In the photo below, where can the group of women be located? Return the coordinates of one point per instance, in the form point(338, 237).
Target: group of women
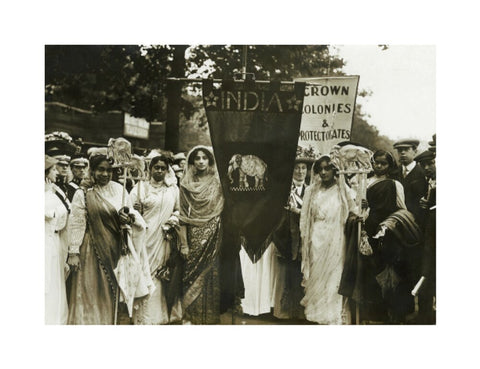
point(122, 247)
point(154, 252)
point(357, 251)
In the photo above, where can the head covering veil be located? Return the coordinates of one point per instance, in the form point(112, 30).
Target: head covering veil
point(307, 217)
point(201, 199)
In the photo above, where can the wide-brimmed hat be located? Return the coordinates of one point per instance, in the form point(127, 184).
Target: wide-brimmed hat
point(304, 159)
point(49, 162)
point(406, 143)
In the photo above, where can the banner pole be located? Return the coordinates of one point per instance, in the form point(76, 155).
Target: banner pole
point(244, 63)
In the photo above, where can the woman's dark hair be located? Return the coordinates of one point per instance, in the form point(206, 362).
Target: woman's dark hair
point(324, 159)
point(97, 159)
point(392, 164)
point(158, 158)
point(211, 159)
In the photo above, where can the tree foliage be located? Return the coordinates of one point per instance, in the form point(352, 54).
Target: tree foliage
point(133, 78)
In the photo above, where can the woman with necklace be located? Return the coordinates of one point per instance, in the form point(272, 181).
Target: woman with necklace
point(201, 205)
point(158, 202)
point(326, 206)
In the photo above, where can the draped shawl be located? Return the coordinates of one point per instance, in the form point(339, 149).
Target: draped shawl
point(200, 200)
point(104, 223)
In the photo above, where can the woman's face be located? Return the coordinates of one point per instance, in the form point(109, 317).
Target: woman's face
point(52, 174)
point(380, 165)
point(103, 173)
point(300, 172)
point(200, 161)
point(158, 171)
point(326, 172)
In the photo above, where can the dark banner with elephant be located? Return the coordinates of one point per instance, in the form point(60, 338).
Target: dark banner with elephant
point(254, 128)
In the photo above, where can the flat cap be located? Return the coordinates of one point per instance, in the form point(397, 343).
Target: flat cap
point(424, 156)
point(62, 159)
point(406, 143)
point(79, 162)
point(180, 156)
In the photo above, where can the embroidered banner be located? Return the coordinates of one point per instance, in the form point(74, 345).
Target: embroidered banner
point(254, 130)
point(328, 110)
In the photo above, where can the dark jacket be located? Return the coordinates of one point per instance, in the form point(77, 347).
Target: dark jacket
point(415, 187)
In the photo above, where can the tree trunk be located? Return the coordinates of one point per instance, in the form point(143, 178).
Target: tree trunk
point(174, 91)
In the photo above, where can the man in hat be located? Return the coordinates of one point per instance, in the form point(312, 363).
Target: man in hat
point(178, 173)
point(427, 292)
point(412, 176)
point(180, 159)
point(79, 167)
point(288, 290)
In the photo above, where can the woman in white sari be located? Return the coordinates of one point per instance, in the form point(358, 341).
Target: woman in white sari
point(327, 203)
point(158, 201)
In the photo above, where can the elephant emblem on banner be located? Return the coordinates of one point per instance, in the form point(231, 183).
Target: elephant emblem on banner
point(247, 173)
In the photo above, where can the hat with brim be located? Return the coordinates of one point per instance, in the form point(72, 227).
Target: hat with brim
point(62, 159)
point(406, 143)
point(49, 162)
point(180, 156)
point(79, 161)
point(425, 156)
point(59, 147)
point(304, 159)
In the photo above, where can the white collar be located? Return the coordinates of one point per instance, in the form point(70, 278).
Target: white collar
point(410, 166)
point(298, 183)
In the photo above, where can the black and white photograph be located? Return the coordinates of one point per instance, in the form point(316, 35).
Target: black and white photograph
point(240, 184)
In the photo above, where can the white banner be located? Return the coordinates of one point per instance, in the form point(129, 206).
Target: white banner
point(327, 116)
point(135, 127)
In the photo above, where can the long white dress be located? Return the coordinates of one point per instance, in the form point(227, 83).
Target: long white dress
point(258, 280)
point(323, 255)
point(160, 203)
point(56, 308)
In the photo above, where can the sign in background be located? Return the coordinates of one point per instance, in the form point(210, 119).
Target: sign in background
point(135, 127)
point(327, 115)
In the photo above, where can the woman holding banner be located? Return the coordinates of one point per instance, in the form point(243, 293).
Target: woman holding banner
point(95, 245)
point(158, 201)
point(326, 206)
point(201, 204)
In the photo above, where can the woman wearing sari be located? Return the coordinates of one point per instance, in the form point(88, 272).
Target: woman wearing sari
point(385, 288)
point(201, 205)
point(56, 310)
point(326, 206)
point(158, 201)
point(97, 242)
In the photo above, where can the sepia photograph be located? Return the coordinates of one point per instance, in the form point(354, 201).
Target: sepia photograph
point(234, 185)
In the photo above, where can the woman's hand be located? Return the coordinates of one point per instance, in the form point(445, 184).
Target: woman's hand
point(138, 206)
point(74, 262)
point(364, 204)
point(124, 215)
point(184, 250)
